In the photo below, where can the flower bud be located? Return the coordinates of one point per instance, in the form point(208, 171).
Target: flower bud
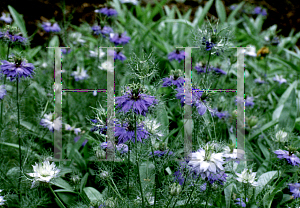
point(175, 189)
point(252, 121)
point(234, 113)
point(110, 202)
point(104, 174)
point(281, 136)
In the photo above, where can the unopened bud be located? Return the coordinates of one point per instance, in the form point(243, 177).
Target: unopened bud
point(252, 121)
point(175, 189)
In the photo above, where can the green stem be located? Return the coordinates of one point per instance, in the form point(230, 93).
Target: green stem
point(245, 190)
point(117, 192)
point(154, 175)
point(137, 163)
point(207, 65)
point(56, 196)
point(192, 191)
point(169, 201)
point(128, 170)
point(20, 153)
point(207, 194)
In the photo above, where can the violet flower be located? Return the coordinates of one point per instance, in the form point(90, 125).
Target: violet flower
point(2, 91)
point(241, 202)
point(107, 11)
point(122, 148)
point(169, 81)
point(177, 55)
point(117, 55)
point(51, 27)
point(295, 189)
point(126, 133)
point(136, 101)
point(118, 38)
point(291, 158)
point(6, 18)
point(19, 68)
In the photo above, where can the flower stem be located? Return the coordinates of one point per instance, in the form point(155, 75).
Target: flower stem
point(154, 175)
point(20, 153)
point(245, 190)
point(128, 170)
point(207, 65)
point(192, 191)
point(137, 163)
point(56, 196)
point(207, 194)
point(169, 201)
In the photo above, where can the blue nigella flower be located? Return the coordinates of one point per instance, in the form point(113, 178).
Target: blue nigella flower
point(291, 158)
point(6, 18)
point(107, 11)
point(241, 202)
point(117, 55)
point(18, 68)
point(122, 148)
point(176, 55)
point(51, 27)
point(106, 30)
point(136, 101)
point(169, 81)
point(295, 189)
point(118, 39)
point(261, 11)
point(220, 114)
point(126, 132)
point(161, 153)
point(15, 38)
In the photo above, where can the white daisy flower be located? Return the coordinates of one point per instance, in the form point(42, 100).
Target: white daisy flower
point(247, 176)
point(44, 172)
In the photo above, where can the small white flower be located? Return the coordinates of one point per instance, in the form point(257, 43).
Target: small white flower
point(44, 65)
point(2, 199)
point(247, 176)
point(68, 127)
point(80, 74)
point(205, 161)
point(106, 66)
point(76, 36)
point(44, 172)
point(250, 51)
point(151, 125)
point(95, 93)
point(104, 174)
point(77, 130)
point(279, 79)
point(281, 136)
point(94, 53)
point(228, 154)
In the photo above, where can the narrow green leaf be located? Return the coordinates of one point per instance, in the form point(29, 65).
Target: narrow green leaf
point(18, 20)
point(228, 193)
point(289, 113)
point(263, 148)
point(204, 12)
point(62, 184)
point(286, 63)
point(17, 147)
point(221, 10)
point(263, 128)
point(83, 181)
point(233, 13)
point(157, 8)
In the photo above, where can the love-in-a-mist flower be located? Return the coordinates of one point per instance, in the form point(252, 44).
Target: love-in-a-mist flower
point(77, 130)
point(219, 71)
point(176, 55)
point(159, 153)
point(229, 154)
point(295, 189)
point(219, 113)
point(2, 199)
point(289, 156)
point(241, 202)
point(49, 121)
point(281, 136)
point(107, 11)
point(118, 38)
point(44, 172)
point(136, 100)
point(259, 10)
point(17, 67)
point(250, 51)
point(80, 74)
point(6, 18)
point(205, 161)
point(175, 79)
point(247, 176)
point(248, 101)
point(106, 30)
point(201, 69)
point(65, 50)
point(95, 53)
point(12, 35)
point(126, 132)
point(106, 66)
point(259, 80)
point(2, 91)
point(51, 27)
point(117, 55)
point(279, 79)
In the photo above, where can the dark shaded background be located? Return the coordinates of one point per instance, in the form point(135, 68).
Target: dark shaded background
point(282, 13)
